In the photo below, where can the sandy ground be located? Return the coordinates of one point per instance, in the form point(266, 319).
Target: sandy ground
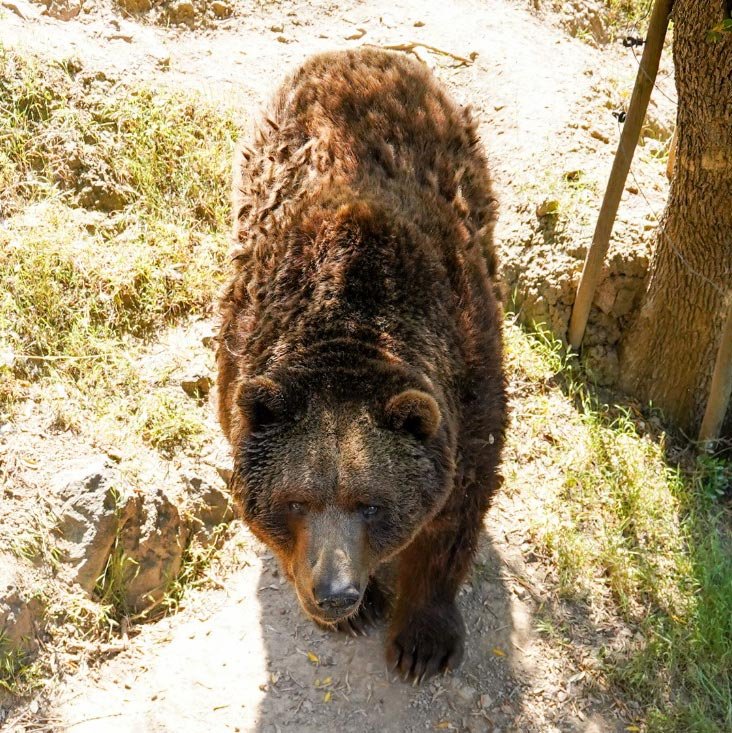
point(240, 656)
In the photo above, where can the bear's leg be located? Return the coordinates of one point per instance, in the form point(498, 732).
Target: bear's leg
point(427, 632)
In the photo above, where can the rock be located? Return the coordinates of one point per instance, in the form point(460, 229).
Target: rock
point(64, 9)
point(464, 691)
point(221, 9)
point(602, 364)
point(182, 12)
point(624, 301)
point(656, 125)
point(100, 515)
point(93, 510)
point(209, 506)
point(548, 207)
point(197, 385)
point(135, 6)
point(605, 296)
point(225, 473)
point(20, 608)
point(154, 540)
point(104, 196)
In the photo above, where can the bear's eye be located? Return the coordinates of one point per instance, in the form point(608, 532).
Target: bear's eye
point(297, 507)
point(369, 510)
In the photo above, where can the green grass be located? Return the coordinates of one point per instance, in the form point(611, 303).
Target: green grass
point(618, 18)
point(632, 535)
point(195, 563)
point(18, 673)
point(167, 422)
point(622, 16)
point(115, 206)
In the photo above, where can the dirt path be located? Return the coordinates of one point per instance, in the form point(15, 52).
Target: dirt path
point(524, 80)
point(240, 656)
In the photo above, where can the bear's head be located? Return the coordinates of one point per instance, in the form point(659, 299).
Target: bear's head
point(337, 481)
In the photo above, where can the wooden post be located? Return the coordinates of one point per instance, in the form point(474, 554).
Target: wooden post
point(621, 165)
point(721, 388)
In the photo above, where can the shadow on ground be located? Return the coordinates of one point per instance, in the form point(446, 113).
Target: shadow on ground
point(321, 680)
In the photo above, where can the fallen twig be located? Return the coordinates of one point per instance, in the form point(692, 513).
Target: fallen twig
point(413, 45)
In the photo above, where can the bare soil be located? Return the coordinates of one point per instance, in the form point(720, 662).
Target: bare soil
point(239, 655)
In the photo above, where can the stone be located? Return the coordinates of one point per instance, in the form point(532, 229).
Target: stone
point(605, 296)
point(225, 473)
point(602, 364)
point(209, 506)
point(104, 195)
point(197, 385)
point(464, 691)
point(153, 540)
point(135, 6)
point(548, 207)
point(23, 10)
point(624, 301)
point(20, 608)
point(598, 135)
point(182, 12)
point(221, 9)
point(101, 514)
point(64, 9)
point(93, 509)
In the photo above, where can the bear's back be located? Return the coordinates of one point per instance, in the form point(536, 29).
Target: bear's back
point(373, 121)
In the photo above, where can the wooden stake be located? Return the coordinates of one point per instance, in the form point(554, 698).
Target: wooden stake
point(721, 388)
point(621, 165)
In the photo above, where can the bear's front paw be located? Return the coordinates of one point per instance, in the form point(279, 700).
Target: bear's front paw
point(426, 641)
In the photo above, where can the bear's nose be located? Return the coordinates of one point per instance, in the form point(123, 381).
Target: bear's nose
point(336, 597)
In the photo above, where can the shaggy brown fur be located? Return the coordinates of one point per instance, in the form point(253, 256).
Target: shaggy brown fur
point(360, 366)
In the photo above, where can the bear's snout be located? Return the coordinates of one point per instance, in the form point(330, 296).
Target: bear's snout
point(336, 597)
point(333, 574)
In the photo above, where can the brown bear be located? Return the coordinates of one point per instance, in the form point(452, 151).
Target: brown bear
point(359, 363)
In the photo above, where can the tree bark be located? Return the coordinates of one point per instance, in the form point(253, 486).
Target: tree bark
point(668, 354)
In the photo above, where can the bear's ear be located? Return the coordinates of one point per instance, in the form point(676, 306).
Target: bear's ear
point(262, 403)
point(414, 411)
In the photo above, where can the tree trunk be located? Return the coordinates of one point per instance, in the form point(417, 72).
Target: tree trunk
point(668, 354)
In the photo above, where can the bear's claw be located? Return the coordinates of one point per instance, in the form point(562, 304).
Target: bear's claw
point(427, 642)
point(372, 610)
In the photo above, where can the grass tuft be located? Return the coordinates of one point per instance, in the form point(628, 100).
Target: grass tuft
point(114, 207)
point(19, 674)
point(634, 535)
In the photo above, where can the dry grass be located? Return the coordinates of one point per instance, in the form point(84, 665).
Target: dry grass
point(116, 206)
